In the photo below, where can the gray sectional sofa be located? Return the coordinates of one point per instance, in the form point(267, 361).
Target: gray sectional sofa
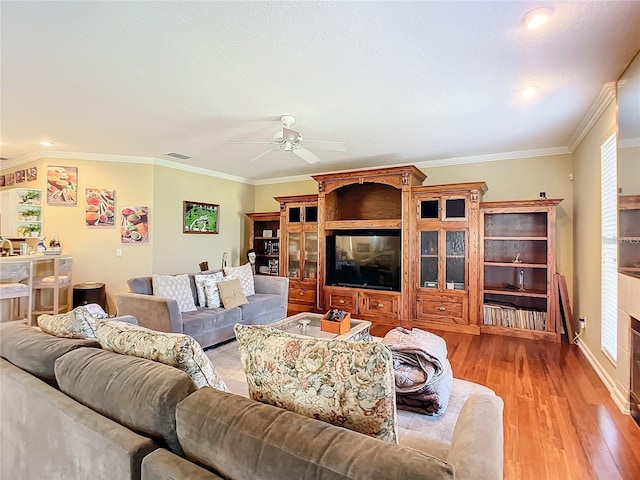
point(209, 326)
point(70, 410)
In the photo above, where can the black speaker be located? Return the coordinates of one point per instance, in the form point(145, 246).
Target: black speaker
point(90, 292)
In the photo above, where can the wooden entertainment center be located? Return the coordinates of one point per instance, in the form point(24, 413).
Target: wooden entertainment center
point(418, 253)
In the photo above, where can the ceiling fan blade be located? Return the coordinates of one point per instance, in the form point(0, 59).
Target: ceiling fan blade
point(326, 145)
point(306, 155)
point(247, 143)
point(265, 153)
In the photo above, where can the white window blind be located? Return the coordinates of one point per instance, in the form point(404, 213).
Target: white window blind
point(609, 272)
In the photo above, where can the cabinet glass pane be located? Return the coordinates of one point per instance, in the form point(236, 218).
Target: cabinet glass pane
point(293, 245)
point(455, 243)
point(454, 208)
point(429, 272)
point(455, 261)
point(310, 255)
point(311, 214)
point(429, 259)
point(294, 215)
point(429, 243)
point(429, 209)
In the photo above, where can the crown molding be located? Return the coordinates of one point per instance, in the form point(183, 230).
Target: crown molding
point(606, 96)
point(97, 157)
point(494, 157)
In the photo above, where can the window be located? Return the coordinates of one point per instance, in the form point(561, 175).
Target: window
point(609, 271)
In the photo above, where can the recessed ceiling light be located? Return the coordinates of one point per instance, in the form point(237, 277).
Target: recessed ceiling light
point(47, 144)
point(537, 17)
point(529, 92)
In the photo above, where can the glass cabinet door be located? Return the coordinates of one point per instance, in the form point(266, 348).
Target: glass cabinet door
point(429, 259)
point(293, 255)
point(455, 260)
point(310, 255)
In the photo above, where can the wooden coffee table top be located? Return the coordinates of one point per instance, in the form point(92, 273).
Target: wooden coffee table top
point(359, 328)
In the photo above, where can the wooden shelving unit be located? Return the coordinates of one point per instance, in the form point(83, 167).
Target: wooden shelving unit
point(518, 254)
point(267, 247)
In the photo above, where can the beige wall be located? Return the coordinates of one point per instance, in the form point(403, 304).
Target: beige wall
point(176, 252)
point(160, 189)
point(265, 193)
point(586, 170)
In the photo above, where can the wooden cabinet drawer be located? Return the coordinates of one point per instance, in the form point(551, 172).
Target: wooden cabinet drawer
point(380, 305)
point(443, 309)
point(302, 295)
point(347, 301)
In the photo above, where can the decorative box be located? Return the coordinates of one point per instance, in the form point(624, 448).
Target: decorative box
point(337, 327)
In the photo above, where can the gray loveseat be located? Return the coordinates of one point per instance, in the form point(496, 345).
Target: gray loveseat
point(209, 326)
point(71, 411)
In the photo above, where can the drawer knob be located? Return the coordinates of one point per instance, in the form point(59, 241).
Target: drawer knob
point(341, 302)
point(381, 305)
point(301, 293)
point(442, 309)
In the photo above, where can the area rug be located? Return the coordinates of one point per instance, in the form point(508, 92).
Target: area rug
point(226, 360)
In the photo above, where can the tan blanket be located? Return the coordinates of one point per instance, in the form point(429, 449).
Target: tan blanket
point(423, 374)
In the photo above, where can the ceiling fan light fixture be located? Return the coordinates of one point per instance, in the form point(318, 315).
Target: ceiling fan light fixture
point(537, 17)
point(529, 92)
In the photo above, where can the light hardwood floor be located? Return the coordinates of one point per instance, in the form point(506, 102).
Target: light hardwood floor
point(559, 419)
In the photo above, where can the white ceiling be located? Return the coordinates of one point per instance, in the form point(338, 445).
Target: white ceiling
point(399, 82)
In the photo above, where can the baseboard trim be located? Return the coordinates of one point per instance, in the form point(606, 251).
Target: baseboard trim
point(619, 397)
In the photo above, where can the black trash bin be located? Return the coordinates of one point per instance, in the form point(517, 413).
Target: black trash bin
point(90, 292)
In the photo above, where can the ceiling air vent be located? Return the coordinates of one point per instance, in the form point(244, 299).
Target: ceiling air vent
point(181, 156)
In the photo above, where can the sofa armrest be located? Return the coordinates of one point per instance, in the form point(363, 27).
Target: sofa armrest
point(273, 285)
point(125, 318)
point(477, 445)
point(157, 313)
point(165, 465)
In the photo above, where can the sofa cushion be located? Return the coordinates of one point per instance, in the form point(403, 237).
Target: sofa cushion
point(262, 441)
point(349, 384)
point(137, 393)
point(177, 287)
point(231, 293)
point(205, 319)
point(77, 323)
point(212, 291)
point(262, 308)
point(200, 280)
point(173, 349)
point(35, 351)
point(244, 274)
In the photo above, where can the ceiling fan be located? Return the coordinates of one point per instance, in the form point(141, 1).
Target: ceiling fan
point(291, 141)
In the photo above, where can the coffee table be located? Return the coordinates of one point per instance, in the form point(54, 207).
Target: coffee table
point(359, 330)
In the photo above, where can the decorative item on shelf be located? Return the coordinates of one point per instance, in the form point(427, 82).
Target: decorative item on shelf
point(521, 279)
point(336, 321)
point(517, 259)
point(34, 230)
point(204, 266)
point(225, 259)
point(267, 233)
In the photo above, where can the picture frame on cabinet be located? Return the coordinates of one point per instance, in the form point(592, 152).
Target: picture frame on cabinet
point(198, 217)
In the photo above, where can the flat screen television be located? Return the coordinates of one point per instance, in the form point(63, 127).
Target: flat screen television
point(364, 259)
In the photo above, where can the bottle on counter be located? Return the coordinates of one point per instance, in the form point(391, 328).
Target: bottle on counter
point(41, 247)
point(54, 244)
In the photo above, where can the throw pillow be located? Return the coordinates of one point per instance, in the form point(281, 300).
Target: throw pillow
point(231, 294)
point(78, 323)
point(173, 349)
point(200, 287)
point(348, 384)
point(243, 273)
point(212, 292)
point(176, 287)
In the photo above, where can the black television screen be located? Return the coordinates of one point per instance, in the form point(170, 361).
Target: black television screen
point(365, 259)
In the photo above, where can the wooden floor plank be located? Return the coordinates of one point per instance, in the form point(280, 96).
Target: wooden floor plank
point(559, 419)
